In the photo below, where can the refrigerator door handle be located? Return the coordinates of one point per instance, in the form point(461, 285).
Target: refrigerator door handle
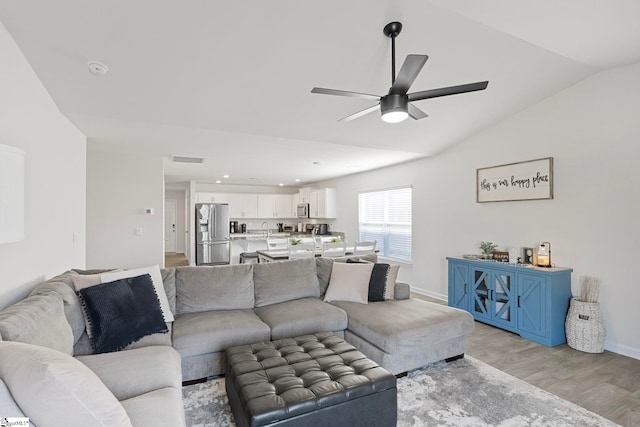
point(214, 223)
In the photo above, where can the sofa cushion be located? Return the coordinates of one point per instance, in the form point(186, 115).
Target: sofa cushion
point(131, 373)
point(213, 331)
point(156, 278)
point(121, 312)
point(224, 287)
point(406, 325)
point(302, 316)
point(63, 286)
point(158, 408)
point(40, 320)
point(286, 280)
point(349, 282)
point(54, 389)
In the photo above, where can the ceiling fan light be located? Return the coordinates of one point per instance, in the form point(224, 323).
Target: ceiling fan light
point(394, 107)
point(394, 116)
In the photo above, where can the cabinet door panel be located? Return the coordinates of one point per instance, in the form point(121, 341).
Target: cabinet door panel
point(266, 206)
point(503, 294)
point(481, 303)
point(459, 286)
point(532, 304)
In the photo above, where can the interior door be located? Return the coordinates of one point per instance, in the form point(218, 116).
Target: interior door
point(170, 214)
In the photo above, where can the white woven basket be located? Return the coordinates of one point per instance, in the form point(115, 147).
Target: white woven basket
point(585, 327)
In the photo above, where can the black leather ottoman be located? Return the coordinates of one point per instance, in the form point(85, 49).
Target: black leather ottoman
point(311, 380)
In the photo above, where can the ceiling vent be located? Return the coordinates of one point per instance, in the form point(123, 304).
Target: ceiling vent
point(182, 159)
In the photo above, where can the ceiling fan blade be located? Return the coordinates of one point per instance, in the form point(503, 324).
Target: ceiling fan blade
point(416, 113)
point(445, 91)
point(360, 113)
point(347, 93)
point(408, 73)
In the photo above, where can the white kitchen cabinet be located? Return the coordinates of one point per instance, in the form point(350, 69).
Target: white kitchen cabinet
point(208, 197)
point(240, 205)
point(304, 195)
point(266, 206)
point(275, 206)
point(322, 203)
point(243, 205)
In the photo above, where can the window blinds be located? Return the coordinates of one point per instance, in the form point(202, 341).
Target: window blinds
point(385, 216)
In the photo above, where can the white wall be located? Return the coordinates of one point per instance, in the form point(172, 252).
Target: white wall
point(119, 188)
point(592, 131)
point(54, 178)
point(181, 220)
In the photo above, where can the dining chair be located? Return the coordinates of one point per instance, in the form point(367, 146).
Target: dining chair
point(302, 250)
point(363, 248)
point(278, 244)
point(334, 249)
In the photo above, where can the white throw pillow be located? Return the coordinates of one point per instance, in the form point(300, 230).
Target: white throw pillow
point(349, 282)
point(392, 276)
point(156, 277)
point(54, 389)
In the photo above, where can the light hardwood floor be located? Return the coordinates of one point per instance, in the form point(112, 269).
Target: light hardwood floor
point(607, 384)
point(173, 259)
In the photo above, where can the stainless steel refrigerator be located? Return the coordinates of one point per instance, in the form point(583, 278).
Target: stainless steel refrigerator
point(212, 234)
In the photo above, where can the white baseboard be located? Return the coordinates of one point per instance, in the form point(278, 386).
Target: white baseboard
point(622, 349)
point(435, 295)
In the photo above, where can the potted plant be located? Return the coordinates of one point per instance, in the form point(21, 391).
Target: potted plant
point(488, 248)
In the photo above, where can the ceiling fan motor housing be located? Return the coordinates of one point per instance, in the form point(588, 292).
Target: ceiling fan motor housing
point(394, 103)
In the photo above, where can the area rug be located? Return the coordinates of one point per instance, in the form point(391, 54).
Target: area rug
point(465, 393)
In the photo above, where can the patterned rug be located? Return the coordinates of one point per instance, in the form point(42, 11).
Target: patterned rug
point(465, 393)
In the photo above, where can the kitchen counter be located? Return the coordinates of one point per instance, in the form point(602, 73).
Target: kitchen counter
point(262, 235)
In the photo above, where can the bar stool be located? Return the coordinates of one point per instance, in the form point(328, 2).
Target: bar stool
point(249, 257)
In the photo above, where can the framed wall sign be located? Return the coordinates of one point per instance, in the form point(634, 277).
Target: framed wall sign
point(530, 180)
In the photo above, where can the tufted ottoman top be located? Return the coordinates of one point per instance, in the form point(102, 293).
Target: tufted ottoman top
point(282, 379)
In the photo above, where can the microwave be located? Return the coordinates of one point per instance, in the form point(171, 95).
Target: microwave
point(303, 210)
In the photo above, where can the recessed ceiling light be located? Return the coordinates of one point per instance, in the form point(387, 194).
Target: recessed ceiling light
point(297, 179)
point(97, 68)
point(218, 181)
point(225, 176)
point(281, 185)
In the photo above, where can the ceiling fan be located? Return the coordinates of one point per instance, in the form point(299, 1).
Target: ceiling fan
point(396, 105)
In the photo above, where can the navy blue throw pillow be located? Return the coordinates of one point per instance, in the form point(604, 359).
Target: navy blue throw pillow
point(122, 312)
point(378, 280)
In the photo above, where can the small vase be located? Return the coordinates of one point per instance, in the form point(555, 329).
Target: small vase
point(585, 327)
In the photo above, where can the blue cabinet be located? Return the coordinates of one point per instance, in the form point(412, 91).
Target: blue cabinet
point(527, 300)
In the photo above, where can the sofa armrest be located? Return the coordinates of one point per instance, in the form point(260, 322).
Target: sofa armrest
point(402, 291)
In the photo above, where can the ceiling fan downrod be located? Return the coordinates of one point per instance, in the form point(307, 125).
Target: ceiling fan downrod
point(392, 30)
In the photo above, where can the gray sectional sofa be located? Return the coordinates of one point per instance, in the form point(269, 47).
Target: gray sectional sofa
point(216, 308)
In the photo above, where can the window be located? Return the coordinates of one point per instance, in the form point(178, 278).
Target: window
point(385, 216)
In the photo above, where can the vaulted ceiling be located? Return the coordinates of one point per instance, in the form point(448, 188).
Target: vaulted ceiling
point(231, 81)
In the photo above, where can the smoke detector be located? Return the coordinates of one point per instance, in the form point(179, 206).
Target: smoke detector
point(97, 68)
